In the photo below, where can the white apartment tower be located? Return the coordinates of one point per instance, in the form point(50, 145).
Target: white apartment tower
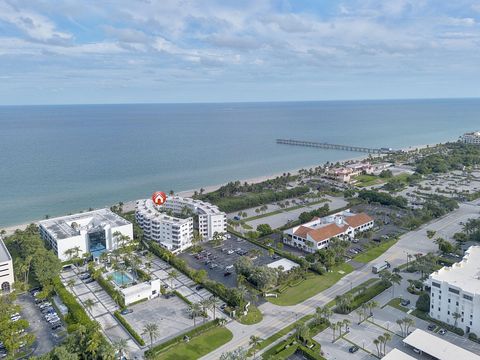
point(176, 233)
point(456, 290)
point(6, 270)
point(471, 138)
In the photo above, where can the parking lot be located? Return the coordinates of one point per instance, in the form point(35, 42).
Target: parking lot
point(277, 220)
point(46, 337)
point(219, 261)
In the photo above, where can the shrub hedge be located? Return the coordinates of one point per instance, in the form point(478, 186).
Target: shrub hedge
point(129, 328)
point(76, 313)
point(110, 289)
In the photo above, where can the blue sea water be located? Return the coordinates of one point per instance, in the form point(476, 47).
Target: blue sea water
point(61, 159)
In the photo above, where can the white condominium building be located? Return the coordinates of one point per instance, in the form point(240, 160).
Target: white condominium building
point(90, 232)
point(172, 233)
point(471, 138)
point(176, 233)
point(210, 219)
point(456, 290)
point(317, 233)
point(6, 270)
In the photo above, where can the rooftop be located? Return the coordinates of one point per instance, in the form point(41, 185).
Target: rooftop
point(4, 254)
point(396, 354)
point(436, 347)
point(464, 274)
point(67, 226)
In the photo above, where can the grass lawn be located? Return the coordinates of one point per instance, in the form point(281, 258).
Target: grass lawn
point(396, 304)
point(254, 316)
point(198, 346)
point(374, 252)
point(368, 180)
point(275, 212)
point(311, 286)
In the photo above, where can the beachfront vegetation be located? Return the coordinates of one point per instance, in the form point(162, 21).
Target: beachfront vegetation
point(451, 156)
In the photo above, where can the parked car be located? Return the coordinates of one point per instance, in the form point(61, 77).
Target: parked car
point(353, 349)
point(55, 326)
point(90, 280)
point(431, 327)
point(227, 273)
point(198, 287)
point(442, 332)
point(126, 311)
point(405, 302)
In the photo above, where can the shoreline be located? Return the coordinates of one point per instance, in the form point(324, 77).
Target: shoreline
point(129, 205)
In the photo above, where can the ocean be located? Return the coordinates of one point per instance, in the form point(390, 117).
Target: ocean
point(62, 159)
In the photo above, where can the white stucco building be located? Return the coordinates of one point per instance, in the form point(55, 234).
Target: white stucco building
point(143, 291)
point(176, 233)
point(317, 233)
point(471, 138)
point(6, 270)
point(91, 232)
point(456, 289)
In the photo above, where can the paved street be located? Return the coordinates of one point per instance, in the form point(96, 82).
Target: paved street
point(277, 317)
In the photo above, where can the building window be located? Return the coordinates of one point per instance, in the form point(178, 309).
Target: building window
point(455, 291)
point(468, 297)
point(449, 301)
point(435, 284)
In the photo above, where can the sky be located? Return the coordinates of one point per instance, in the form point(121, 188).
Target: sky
point(162, 51)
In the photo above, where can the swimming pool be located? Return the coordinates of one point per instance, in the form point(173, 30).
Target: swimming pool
point(122, 278)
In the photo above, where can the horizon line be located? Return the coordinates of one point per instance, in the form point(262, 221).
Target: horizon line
point(243, 102)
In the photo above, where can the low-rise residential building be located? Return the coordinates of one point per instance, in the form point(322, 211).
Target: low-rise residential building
point(471, 138)
point(6, 270)
point(455, 293)
point(172, 224)
point(90, 232)
point(317, 233)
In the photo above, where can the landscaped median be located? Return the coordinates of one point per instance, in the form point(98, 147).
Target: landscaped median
point(201, 341)
point(310, 286)
point(253, 316)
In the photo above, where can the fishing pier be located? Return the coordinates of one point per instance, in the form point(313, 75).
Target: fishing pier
point(323, 145)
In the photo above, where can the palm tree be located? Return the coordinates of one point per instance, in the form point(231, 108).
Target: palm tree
point(372, 304)
point(376, 342)
point(333, 326)
point(340, 327)
point(408, 322)
point(381, 340)
point(88, 304)
point(194, 309)
point(151, 329)
point(346, 323)
point(214, 302)
point(400, 323)
point(254, 341)
point(387, 338)
point(205, 304)
point(360, 314)
point(456, 316)
point(71, 284)
point(173, 274)
point(120, 347)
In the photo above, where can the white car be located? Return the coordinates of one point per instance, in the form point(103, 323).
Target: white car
point(15, 318)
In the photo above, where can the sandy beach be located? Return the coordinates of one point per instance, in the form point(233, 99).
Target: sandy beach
point(130, 204)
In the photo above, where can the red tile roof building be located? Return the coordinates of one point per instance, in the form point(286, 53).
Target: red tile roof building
point(317, 233)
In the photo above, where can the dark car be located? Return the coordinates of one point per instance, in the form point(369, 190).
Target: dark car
point(89, 281)
point(199, 287)
point(442, 332)
point(126, 311)
point(227, 273)
point(55, 326)
point(431, 327)
point(353, 349)
point(405, 302)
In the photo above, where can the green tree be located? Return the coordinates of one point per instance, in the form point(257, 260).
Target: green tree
point(423, 302)
point(254, 342)
point(151, 329)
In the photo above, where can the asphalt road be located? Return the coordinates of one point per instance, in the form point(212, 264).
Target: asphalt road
point(277, 317)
